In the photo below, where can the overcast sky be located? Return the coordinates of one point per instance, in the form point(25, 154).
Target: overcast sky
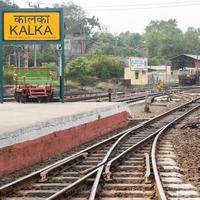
point(134, 15)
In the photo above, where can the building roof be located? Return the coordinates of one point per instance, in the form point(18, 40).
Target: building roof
point(196, 57)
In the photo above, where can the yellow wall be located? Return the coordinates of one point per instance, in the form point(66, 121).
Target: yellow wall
point(142, 78)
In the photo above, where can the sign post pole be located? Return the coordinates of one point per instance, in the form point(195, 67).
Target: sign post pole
point(62, 85)
point(1, 73)
point(1, 61)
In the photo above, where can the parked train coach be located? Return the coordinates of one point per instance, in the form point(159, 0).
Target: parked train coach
point(188, 66)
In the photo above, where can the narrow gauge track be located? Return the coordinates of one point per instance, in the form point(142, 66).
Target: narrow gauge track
point(120, 96)
point(117, 96)
point(128, 175)
point(64, 177)
point(168, 176)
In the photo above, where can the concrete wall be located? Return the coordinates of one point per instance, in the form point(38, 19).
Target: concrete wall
point(26, 147)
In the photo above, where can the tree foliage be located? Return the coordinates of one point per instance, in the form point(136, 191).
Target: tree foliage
point(192, 41)
point(161, 41)
point(45, 54)
point(76, 21)
point(4, 4)
point(95, 65)
point(124, 44)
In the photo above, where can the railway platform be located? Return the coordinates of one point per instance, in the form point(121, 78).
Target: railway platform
point(30, 133)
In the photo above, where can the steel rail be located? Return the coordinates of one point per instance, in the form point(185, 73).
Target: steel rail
point(92, 95)
point(101, 165)
point(36, 175)
point(72, 186)
point(98, 167)
point(92, 171)
point(128, 131)
point(44, 174)
point(134, 147)
point(108, 164)
point(159, 185)
point(74, 96)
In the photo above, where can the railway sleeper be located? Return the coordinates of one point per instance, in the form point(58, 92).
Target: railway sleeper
point(132, 180)
point(127, 193)
point(127, 174)
point(128, 186)
point(37, 193)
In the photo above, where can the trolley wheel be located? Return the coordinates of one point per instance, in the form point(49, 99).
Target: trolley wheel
point(42, 99)
point(17, 97)
point(23, 98)
point(50, 97)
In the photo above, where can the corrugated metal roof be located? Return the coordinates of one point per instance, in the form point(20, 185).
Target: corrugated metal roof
point(193, 56)
point(196, 57)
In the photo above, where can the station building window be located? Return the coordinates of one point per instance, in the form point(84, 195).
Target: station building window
point(136, 75)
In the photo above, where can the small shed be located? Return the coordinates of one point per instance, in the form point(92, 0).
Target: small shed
point(185, 60)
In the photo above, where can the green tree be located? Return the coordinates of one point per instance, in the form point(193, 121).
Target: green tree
point(124, 44)
point(95, 65)
point(80, 71)
point(106, 67)
point(4, 4)
point(192, 41)
point(164, 40)
point(45, 54)
point(76, 21)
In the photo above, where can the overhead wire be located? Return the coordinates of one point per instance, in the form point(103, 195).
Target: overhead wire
point(143, 6)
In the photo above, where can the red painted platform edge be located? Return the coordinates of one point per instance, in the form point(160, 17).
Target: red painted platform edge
point(26, 154)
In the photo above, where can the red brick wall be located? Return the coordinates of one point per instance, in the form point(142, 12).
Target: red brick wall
point(25, 154)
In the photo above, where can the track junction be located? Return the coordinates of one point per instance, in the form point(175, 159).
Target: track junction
point(116, 168)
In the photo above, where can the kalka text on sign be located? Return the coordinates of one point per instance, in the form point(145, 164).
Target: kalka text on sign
point(31, 26)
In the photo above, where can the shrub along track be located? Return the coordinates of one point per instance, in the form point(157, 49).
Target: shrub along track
point(64, 177)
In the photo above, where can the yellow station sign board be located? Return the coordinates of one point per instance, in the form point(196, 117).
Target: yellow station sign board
point(19, 26)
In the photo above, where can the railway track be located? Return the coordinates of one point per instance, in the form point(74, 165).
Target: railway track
point(168, 176)
point(120, 157)
point(116, 97)
point(131, 174)
point(128, 96)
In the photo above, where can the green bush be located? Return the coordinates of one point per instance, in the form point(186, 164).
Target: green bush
point(85, 80)
point(86, 70)
point(8, 75)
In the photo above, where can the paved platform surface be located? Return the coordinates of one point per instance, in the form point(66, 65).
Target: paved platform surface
point(14, 116)
point(30, 133)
